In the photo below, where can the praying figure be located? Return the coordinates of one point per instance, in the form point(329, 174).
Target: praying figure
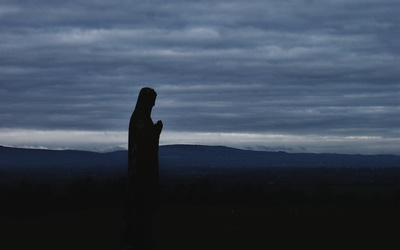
point(143, 180)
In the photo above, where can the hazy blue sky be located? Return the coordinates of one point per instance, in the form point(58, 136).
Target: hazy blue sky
point(295, 75)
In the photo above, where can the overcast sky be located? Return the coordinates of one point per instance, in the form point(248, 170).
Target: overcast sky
point(293, 75)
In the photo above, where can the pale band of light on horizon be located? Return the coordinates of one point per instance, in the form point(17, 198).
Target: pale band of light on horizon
point(114, 140)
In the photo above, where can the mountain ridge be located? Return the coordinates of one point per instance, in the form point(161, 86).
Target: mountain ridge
point(184, 155)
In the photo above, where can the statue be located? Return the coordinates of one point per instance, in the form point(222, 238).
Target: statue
point(142, 187)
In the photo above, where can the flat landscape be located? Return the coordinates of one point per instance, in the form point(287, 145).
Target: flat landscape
point(207, 205)
point(212, 227)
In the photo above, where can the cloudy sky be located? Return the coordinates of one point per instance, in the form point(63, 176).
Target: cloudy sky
point(293, 75)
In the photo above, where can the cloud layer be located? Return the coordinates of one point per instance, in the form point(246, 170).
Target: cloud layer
point(296, 68)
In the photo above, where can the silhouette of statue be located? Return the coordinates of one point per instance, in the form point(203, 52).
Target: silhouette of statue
point(143, 180)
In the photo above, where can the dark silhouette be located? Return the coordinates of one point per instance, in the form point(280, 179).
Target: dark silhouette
point(142, 174)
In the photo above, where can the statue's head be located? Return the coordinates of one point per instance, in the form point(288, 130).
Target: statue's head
point(146, 100)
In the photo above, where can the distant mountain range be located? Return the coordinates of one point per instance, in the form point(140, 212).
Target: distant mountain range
point(188, 163)
point(186, 156)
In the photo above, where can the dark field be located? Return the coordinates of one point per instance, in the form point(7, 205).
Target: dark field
point(212, 227)
point(210, 198)
point(258, 209)
point(205, 214)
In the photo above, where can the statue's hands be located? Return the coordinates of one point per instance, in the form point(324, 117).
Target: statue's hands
point(158, 126)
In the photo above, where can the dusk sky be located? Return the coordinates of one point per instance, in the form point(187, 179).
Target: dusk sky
point(294, 75)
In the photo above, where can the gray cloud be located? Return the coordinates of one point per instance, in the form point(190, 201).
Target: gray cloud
point(282, 67)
